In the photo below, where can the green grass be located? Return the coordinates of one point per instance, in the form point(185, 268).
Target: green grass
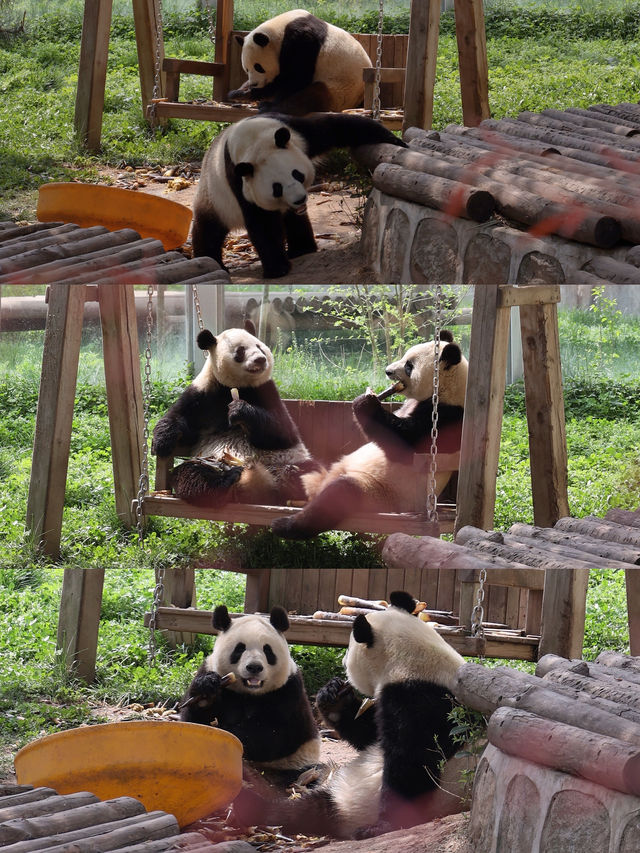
point(38, 695)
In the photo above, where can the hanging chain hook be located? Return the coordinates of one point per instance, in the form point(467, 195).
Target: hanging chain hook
point(143, 482)
point(477, 614)
point(196, 304)
point(375, 106)
point(432, 496)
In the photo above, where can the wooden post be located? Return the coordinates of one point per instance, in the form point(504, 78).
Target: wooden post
point(79, 620)
point(633, 608)
point(422, 52)
point(564, 603)
point(483, 409)
point(54, 416)
point(472, 58)
point(545, 412)
point(224, 25)
point(92, 72)
point(150, 42)
point(124, 391)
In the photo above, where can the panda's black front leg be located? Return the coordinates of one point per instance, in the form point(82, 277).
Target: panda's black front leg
point(340, 706)
point(300, 237)
point(207, 236)
point(266, 232)
point(202, 698)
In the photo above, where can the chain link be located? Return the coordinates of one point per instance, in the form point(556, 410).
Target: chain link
point(432, 496)
point(196, 303)
point(156, 95)
point(477, 614)
point(375, 106)
point(143, 482)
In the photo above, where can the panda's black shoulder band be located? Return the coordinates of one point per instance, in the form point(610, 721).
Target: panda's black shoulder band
point(205, 339)
point(221, 619)
point(403, 600)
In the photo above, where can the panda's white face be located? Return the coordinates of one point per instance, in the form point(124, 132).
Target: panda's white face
point(415, 371)
point(237, 359)
point(402, 647)
point(255, 653)
point(260, 59)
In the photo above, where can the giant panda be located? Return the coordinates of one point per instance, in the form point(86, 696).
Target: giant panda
point(256, 175)
point(379, 476)
point(265, 706)
point(232, 420)
point(404, 738)
point(298, 64)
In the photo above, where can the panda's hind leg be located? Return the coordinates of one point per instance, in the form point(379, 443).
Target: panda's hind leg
point(300, 237)
point(266, 232)
point(208, 235)
point(205, 482)
point(335, 502)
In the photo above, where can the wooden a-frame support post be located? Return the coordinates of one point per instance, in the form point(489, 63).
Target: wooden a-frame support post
point(420, 68)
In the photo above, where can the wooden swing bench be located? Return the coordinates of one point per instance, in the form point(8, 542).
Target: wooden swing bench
point(328, 429)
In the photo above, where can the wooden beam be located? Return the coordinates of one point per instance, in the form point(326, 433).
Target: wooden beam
point(472, 58)
point(92, 72)
point(54, 416)
point(564, 604)
point(224, 26)
point(422, 53)
point(633, 608)
point(124, 392)
point(484, 406)
point(150, 42)
point(545, 412)
point(529, 294)
point(79, 620)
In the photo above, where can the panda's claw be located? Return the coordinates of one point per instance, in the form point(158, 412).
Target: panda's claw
point(335, 698)
point(205, 688)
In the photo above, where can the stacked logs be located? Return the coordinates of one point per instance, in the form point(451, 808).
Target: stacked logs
point(54, 252)
point(574, 173)
point(577, 717)
point(39, 818)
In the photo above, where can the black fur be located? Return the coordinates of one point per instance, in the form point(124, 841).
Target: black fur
point(403, 600)
point(339, 704)
point(325, 131)
point(270, 725)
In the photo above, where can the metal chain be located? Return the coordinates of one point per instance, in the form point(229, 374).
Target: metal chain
point(477, 614)
point(432, 497)
point(375, 106)
point(196, 303)
point(152, 108)
point(143, 482)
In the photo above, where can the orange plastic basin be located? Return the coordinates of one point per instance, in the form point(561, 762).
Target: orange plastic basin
point(115, 207)
point(186, 769)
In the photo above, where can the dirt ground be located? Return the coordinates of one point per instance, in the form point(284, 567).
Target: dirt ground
point(334, 210)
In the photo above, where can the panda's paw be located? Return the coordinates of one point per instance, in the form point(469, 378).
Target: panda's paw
point(288, 527)
point(366, 404)
point(336, 699)
point(238, 412)
point(276, 268)
point(206, 688)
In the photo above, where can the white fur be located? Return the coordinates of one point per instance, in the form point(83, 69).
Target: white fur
point(355, 790)
point(339, 64)
point(221, 368)
point(252, 141)
point(255, 632)
point(419, 384)
point(404, 647)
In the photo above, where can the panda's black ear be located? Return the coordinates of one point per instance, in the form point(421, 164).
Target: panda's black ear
point(279, 619)
point(261, 39)
point(362, 632)
point(451, 354)
point(243, 169)
point(282, 137)
point(240, 40)
point(403, 600)
point(205, 339)
point(249, 326)
point(221, 619)
point(445, 335)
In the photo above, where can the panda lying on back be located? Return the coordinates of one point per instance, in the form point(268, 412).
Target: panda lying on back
point(256, 174)
point(265, 706)
point(298, 64)
point(379, 476)
point(246, 447)
point(403, 739)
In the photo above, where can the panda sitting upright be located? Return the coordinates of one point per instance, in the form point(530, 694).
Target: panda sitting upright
point(403, 738)
point(298, 64)
point(379, 476)
point(256, 175)
point(265, 705)
point(233, 421)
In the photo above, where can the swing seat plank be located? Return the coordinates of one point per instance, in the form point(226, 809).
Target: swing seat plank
point(305, 630)
point(384, 523)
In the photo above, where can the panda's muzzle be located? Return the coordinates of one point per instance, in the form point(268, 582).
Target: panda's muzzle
point(252, 680)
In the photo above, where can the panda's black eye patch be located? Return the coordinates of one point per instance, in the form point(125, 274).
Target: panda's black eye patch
point(239, 354)
point(268, 653)
point(257, 67)
point(408, 368)
point(298, 176)
point(237, 653)
point(277, 190)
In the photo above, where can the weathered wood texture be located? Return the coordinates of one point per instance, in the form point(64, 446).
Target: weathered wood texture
point(39, 819)
point(66, 253)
